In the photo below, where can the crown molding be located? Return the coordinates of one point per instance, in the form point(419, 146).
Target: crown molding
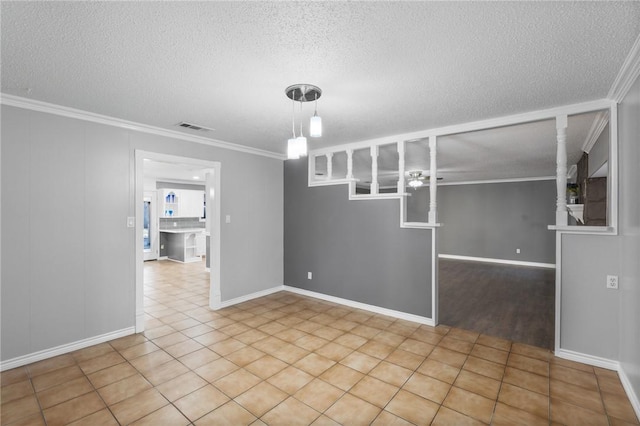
point(40, 106)
point(627, 75)
point(599, 123)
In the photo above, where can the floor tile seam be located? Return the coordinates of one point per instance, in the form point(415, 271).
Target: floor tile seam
point(102, 399)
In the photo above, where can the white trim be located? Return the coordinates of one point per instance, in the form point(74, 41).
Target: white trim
point(501, 261)
point(251, 296)
point(330, 182)
point(364, 306)
point(63, 349)
point(631, 393)
point(379, 196)
point(627, 75)
point(596, 361)
point(508, 180)
point(420, 225)
point(509, 120)
point(582, 229)
point(599, 123)
point(32, 104)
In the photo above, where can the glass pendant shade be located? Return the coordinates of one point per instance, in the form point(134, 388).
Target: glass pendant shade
point(292, 149)
point(415, 183)
point(301, 146)
point(315, 126)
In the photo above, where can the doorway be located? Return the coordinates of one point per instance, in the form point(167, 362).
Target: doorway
point(212, 179)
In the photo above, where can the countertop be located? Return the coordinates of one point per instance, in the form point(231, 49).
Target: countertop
point(182, 230)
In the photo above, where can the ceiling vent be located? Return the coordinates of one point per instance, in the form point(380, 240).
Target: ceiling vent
point(192, 126)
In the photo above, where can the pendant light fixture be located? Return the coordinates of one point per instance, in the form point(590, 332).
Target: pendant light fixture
point(315, 124)
point(297, 146)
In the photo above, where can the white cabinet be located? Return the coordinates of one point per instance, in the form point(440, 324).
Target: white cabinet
point(201, 244)
point(182, 203)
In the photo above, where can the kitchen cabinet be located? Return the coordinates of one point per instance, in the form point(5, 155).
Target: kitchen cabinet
point(182, 203)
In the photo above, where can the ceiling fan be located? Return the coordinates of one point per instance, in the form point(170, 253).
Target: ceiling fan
point(416, 179)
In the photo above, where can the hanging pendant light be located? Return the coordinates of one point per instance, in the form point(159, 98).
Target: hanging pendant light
point(297, 146)
point(315, 124)
point(301, 141)
point(292, 143)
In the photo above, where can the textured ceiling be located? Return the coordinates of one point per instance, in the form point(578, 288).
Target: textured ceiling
point(384, 67)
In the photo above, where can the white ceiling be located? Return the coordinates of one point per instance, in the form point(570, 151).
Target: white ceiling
point(385, 68)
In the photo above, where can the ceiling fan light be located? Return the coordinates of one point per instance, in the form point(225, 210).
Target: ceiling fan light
point(301, 146)
point(292, 149)
point(315, 126)
point(414, 183)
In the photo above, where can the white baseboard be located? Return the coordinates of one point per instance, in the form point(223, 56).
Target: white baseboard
point(364, 306)
point(609, 365)
point(502, 261)
point(628, 388)
point(251, 296)
point(596, 361)
point(63, 349)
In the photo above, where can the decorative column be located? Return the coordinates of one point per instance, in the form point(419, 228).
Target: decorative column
point(374, 169)
point(561, 171)
point(349, 163)
point(433, 179)
point(330, 165)
point(401, 189)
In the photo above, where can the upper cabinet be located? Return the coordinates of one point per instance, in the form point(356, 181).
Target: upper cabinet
point(182, 203)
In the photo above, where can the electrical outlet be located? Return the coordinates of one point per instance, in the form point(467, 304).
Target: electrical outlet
point(227, 218)
point(612, 281)
point(175, 224)
point(309, 275)
point(517, 251)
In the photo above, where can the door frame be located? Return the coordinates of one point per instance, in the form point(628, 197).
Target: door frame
point(212, 225)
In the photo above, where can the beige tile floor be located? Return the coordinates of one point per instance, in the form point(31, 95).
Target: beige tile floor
point(291, 360)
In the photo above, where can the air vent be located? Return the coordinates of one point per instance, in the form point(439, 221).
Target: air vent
point(196, 127)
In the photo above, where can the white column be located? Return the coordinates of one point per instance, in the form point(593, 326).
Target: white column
point(374, 169)
point(349, 163)
point(433, 179)
point(401, 189)
point(330, 165)
point(561, 171)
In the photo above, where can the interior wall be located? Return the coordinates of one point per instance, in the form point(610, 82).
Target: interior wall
point(68, 266)
point(629, 221)
point(355, 250)
point(492, 220)
point(589, 320)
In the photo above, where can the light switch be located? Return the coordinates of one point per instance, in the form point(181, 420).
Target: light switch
point(131, 222)
point(227, 218)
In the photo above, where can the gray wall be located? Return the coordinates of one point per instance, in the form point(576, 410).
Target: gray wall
point(604, 322)
point(492, 220)
point(68, 266)
point(589, 322)
point(355, 249)
point(629, 137)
